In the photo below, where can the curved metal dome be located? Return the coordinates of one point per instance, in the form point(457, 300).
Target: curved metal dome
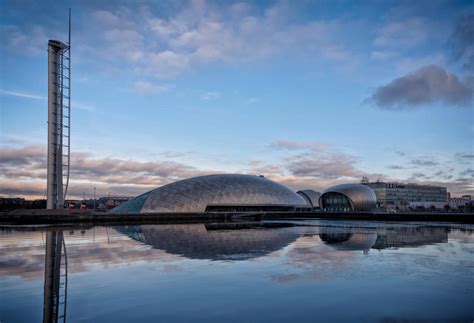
point(215, 192)
point(310, 196)
point(361, 197)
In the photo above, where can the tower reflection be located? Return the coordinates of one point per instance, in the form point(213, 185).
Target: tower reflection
point(55, 278)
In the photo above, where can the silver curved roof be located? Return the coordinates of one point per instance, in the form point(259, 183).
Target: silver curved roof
point(310, 196)
point(361, 197)
point(195, 194)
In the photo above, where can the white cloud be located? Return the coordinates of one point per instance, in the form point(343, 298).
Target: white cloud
point(202, 33)
point(210, 96)
point(21, 94)
point(147, 88)
point(403, 33)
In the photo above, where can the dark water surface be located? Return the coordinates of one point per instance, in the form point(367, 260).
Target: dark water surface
point(276, 272)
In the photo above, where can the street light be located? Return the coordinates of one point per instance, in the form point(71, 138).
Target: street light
point(94, 198)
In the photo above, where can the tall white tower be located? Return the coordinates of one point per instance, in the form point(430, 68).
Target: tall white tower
point(59, 120)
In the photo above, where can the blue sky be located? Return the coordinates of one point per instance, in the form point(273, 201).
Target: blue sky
point(308, 93)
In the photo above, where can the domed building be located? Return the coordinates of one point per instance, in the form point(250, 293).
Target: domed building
point(311, 197)
point(217, 193)
point(347, 198)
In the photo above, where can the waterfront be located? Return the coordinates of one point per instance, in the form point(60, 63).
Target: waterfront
point(261, 271)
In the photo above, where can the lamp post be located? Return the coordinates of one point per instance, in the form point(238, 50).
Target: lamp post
point(94, 198)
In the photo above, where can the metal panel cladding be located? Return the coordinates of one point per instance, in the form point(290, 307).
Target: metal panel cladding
point(310, 196)
point(195, 194)
point(361, 197)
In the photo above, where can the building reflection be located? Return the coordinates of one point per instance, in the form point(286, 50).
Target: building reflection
point(383, 238)
point(349, 240)
point(222, 242)
point(55, 278)
point(402, 237)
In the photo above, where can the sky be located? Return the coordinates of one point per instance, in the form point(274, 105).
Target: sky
point(307, 93)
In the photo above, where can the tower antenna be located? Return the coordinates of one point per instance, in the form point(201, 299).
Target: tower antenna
point(69, 38)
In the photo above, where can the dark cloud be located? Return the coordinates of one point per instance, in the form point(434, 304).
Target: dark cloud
point(424, 162)
point(462, 41)
point(331, 166)
point(23, 172)
point(395, 167)
point(305, 165)
point(419, 176)
point(465, 156)
point(400, 153)
point(467, 172)
point(428, 84)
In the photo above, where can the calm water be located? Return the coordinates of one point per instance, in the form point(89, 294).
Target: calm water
point(277, 272)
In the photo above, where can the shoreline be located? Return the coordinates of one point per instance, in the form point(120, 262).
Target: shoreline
point(22, 217)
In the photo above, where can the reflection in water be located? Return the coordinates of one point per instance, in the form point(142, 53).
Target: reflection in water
point(55, 278)
point(383, 238)
point(306, 258)
point(350, 241)
point(411, 237)
point(195, 241)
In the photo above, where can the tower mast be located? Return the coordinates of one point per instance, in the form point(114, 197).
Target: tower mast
point(59, 120)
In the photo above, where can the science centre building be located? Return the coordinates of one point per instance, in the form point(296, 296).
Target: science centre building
point(230, 193)
point(217, 193)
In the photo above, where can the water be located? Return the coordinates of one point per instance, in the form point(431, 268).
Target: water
point(274, 272)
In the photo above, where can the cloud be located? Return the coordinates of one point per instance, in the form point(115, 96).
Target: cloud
point(293, 145)
point(395, 167)
point(382, 55)
point(462, 41)
point(468, 172)
point(147, 88)
point(24, 95)
point(30, 40)
point(424, 162)
point(23, 172)
point(210, 96)
point(200, 33)
point(312, 164)
point(465, 156)
point(252, 100)
point(428, 84)
point(403, 33)
point(326, 166)
point(419, 176)
point(303, 165)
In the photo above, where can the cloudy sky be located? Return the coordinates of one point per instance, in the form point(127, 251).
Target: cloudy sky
point(307, 93)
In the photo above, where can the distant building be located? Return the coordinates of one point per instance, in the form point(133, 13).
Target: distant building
point(311, 197)
point(15, 203)
point(348, 198)
point(113, 201)
point(459, 202)
point(405, 196)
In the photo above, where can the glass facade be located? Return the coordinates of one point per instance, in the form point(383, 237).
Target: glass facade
point(335, 202)
point(132, 206)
